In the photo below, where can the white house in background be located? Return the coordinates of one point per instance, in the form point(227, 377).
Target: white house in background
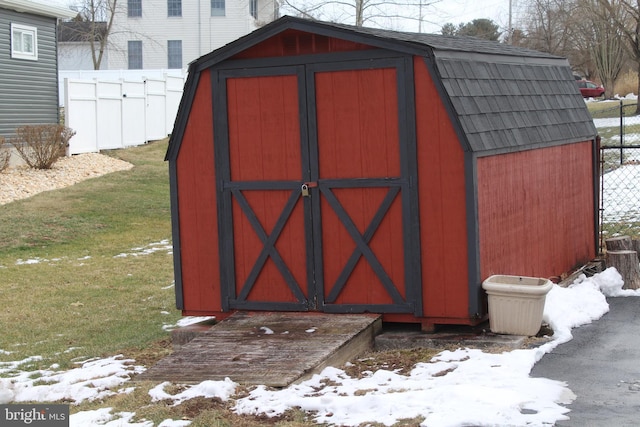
point(74, 49)
point(157, 34)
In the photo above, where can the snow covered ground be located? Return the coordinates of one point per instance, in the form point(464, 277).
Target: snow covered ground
point(462, 387)
point(620, 194)
point(612, 122)
point(619, 185)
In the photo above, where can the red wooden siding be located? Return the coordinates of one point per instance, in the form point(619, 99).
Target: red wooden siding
point(441, 186)
point(293, 42)
point(264, 141)
point(197, 206)
point(264, 128)
point(357, 116)
point(358, 123)
point(535, 211)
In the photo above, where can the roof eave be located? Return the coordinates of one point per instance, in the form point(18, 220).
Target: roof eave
point(536, 145)
point(26, 6)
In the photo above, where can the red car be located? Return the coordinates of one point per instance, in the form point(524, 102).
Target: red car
point(590, 89)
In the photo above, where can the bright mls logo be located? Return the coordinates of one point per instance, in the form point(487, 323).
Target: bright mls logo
point(34, 415)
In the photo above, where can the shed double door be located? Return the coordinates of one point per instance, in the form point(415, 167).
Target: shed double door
point(314, 190)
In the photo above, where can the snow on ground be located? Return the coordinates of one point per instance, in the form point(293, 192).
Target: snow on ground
point(614, 122)
point(186, 321)
point(92, 380)
point(620, 185)
point(163, 245)
point(220, 389)
point(462, 387)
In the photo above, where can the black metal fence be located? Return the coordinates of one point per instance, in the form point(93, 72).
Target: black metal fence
point(619, 130)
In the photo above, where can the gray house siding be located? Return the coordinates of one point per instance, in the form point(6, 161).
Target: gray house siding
point(28, 89)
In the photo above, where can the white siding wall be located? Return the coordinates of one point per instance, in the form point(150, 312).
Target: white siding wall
point(199, 31)
point(77, 56)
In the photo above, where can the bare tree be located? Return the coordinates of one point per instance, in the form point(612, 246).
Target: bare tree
point(607, 43)
point(584, 31)
point(564, 28)
point(583, 38)
point(625, 16)
point(93, 25)
point(549, 25)
point(377, 13)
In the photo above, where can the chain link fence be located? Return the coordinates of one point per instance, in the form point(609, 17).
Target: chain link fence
point(619, 130)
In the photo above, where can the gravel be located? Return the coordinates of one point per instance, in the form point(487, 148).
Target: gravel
point(22, 182)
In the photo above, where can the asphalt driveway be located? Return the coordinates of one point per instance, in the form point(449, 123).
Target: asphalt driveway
point(601, 365)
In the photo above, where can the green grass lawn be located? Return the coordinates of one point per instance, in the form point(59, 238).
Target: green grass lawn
point(66, 294)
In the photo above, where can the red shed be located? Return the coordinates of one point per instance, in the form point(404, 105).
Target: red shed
point(323, 167)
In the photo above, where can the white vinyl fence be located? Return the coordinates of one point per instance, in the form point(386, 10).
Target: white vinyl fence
point(117, 114)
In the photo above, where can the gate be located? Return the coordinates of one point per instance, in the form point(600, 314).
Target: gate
point(619, 171)
point(314, 188)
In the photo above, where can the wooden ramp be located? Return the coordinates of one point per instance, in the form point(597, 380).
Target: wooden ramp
point(273, 349)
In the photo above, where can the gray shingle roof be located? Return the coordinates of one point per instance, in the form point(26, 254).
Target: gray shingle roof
point(440, 42)
point(505, 98)
point(502, 106)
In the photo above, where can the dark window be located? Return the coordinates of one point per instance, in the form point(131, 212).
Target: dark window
point(174, 53)
point(134, 52)
point(217, 7)
point(253, 8)
point(134, 8)
point(174, 7)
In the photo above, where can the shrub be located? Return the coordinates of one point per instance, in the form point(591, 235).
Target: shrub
point(40, 146)
point(627, 83)
point(5, 155)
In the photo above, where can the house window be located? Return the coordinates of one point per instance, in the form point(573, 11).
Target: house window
point(174, 7)
point(217, 7)
point(134, 53)
point(24, 42)
point(253, 8)
point(174, 52)
point(134, 8)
